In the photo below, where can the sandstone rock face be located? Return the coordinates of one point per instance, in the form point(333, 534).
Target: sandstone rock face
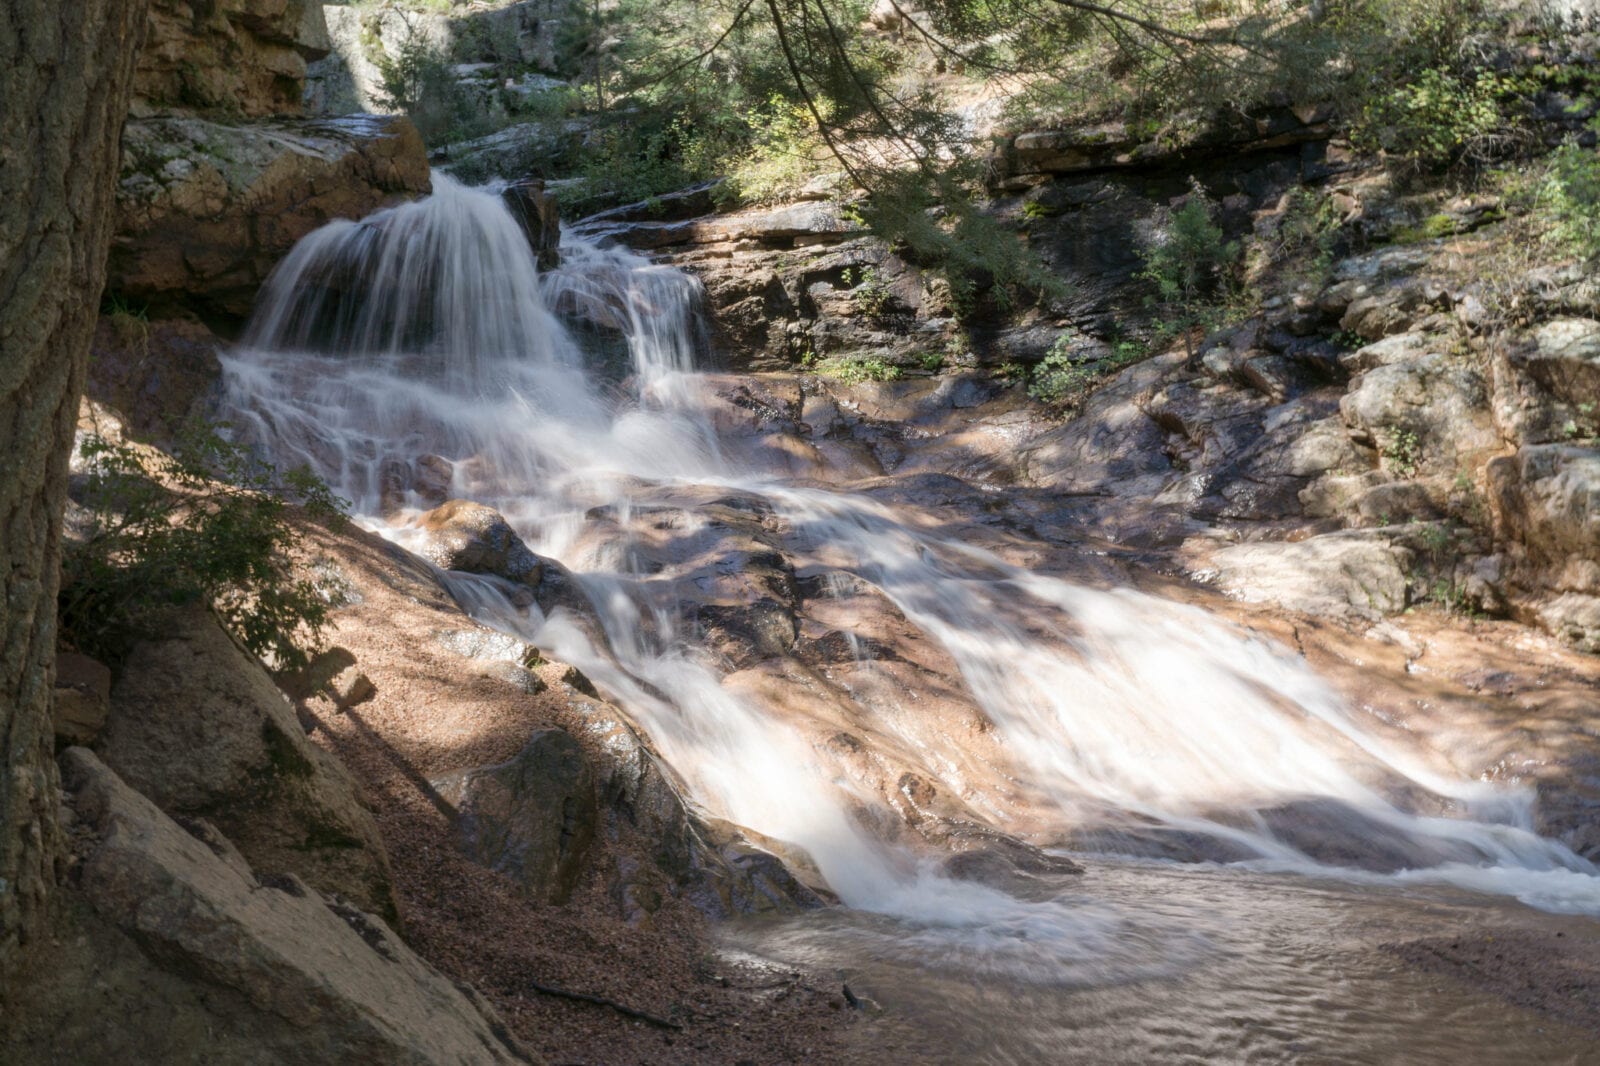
point(1348, 574)
point(282, 973)
point(157, 374)
point(532, 818)
point(1428, 414)
point(1549, 382)
point(539, 216)
point(205, 209)
point(720, 868)
point(537, 817)
point(242, 57)
point(82, 698)
point(197, 726)
point(506, 38)
point(462, 535)
point(1035, 154)
point(1545, 502)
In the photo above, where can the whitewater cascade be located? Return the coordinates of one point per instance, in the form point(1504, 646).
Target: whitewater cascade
point(427, 329)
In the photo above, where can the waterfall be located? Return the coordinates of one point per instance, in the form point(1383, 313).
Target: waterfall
point(427, 330)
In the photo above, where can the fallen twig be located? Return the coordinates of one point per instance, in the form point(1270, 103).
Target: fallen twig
point(620, 1008)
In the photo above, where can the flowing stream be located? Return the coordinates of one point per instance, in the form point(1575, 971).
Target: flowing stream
point(427, 330)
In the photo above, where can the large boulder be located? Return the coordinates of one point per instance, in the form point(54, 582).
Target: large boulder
point(205, 209)
point(198, 726)
point(1545, 504)
point(721, 869)
point(490, 44)
point(1428, 414)
point(158, 375)
point(533, 817)
point(539, 216)
point(462, 535)
point(1356, 573)
point(1548, 382)
point(240, 57)
point(254, 969)
point(1546, 499)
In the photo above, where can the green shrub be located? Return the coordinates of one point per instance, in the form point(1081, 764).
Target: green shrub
point(871, 293)
point(787, 153)
point(1570, 198)
point(207, 524)
point(1060, 381)
point(1190, 264)
point(853, 370)
point(1402, 453)
point(417, 81)
point(1439, 118)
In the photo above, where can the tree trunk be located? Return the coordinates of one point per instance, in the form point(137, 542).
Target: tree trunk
point(66, 67)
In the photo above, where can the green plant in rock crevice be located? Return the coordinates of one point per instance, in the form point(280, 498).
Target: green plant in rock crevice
point(1062, 381)
point(206, 524)
point(871, 294)
point(1402, 452)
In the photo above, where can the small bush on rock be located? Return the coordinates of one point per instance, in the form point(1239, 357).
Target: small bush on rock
point(205, 524)
point(853, 371)
point(1060, 381)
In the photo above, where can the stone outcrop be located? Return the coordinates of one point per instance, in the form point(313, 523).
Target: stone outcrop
point(205, 209)
point(784, 285)
point(198, 727)
point(532, 818)
point(462, 535)
point(157, 374)
point(536, 819)
point(1545, 501)
point(255, 969)
point(1027, 158)
point(487, 45)
point(539, 216)
point(1356, 573)
point(82, 698)
point(721, 869)
point(236, 57)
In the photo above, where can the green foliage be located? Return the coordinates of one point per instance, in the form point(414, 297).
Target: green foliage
point(870, 293)
point(1189, 263)
point(1402, 452)
point(1062, 381)
point(786, 153)
point(1570, 200)
point(1432, 228)
point(622, 165)
point(853, 370)
point(207, 524)
point(934, 222)
point(417, 81)
point(1439, 118)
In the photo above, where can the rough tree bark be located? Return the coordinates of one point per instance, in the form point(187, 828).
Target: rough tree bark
point(66, 67)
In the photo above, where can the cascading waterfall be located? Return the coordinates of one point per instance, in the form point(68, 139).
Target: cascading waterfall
point(427, 329)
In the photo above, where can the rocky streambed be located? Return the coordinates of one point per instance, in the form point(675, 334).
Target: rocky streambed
point(1221, 715)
